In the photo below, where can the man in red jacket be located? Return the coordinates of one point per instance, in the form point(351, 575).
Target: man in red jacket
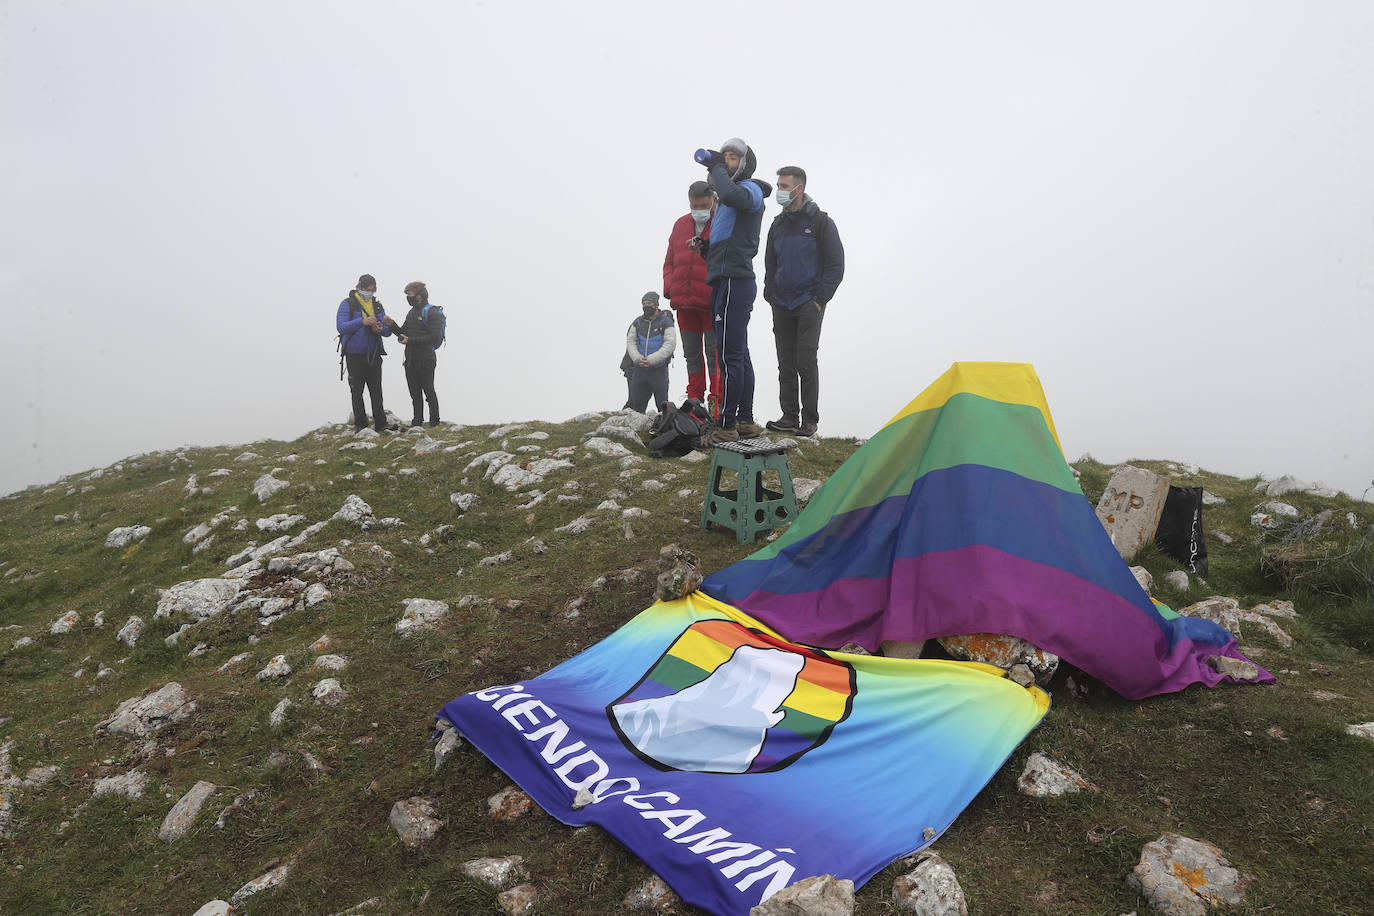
point(685, 286)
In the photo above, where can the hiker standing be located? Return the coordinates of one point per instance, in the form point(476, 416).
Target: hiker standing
point(730, 270)
point(649, 345)
point(362, 323)
point(685, 286)
point(422, 332)
point(803, 265)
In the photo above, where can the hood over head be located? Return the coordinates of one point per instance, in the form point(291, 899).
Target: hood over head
point(747, 161)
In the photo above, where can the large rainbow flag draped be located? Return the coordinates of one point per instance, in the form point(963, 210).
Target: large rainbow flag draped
point(735, 763)
point(961, 516)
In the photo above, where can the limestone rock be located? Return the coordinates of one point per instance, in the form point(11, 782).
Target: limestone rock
point(1182, 877)
point(896, 648)
point(277, 718)
point(496, 872)
point(277, 667)
point(420, 614)
point(1044, 777)
point(679, 573)
point(577, 526)
point(508, 804)
point(463, 501)
point(1365, 730)
point(1130, 508)
point(513, 476)
point(131, 631)
point(932, 889)
point(654, 895)
point(215, 908)
point(1236, 668)
point(1220, 610)
point(1002, 651)
point(275, 524)
point(805, 488)
point(145, 715)
point(198, 598)
point(332, 662)
point(598, 445)
point(6, 814)
point(1211, 499)
point(1177, 579)
point(329, 692)
point(1276, 609)
point(178, 821)
point(65, 624)
point(353, 510)
point(123, 537)
point(414, 820)
point(1221, 537)
point(315, 594)
point(445, 746)
point(266, 486)
point(518, 901)
point(274, 878)
point(822, 895)
point(1142, 575)
point(1281, 509)
point(130, 785)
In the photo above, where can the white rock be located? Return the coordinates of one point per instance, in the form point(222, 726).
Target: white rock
point(805, 488)
point(496, 872)
point(178, 821)
point(1364, 730)
point(1221, 537)
point(463, 501)
point(424, 445)
point(601, 446)
point(142, 716)
point(99, 619)
point(198, 598)
point(449, 742)
point(1274, 507)
point(1177, 579)
point(1142, 575)
point(305, 534)
point(420, 614)
point(247, 456)
point(277, 718)
point(130, 785)
point(65, 623)
point(491, 460)
point(195, 534)
point(414, 820)
point(266, 486)
point(821, 895)
point(513, 476)
point(123, 537)
point(1044, 777)
point(332, 662)
point(521, 900)
point(353, 510)
point(1211, 499)
point(506, 430)
point(131, 631)
point(215, 908)
point(218, 472)
point(329, 692)
point(23, 641)
point(315, 594)
point(274, 878)
point(1210, 879)
point(654, 894)
point(277, 667)
point(274, 524)
point(932, 889)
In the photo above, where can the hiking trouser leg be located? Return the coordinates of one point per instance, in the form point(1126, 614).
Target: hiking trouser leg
point(808, 367)
point(640, 389)
point(732, 301)
point(357, 379)
point(419, 377)
point(696, 365)
point(712, 359)
point(374, 391)
point(658, 381)
point(785, 339)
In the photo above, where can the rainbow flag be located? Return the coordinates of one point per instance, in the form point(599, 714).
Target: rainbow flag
point(961, 516)
point(735, 763)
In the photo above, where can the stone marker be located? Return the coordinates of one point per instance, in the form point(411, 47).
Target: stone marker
point(1130, 508)
point(822, 895)
point(1183, 876)
point(178, 821)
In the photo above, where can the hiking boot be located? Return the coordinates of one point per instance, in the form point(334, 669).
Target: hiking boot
point(807, 429)
point(748, 430)
point(718, 436)
point(433, 423)
point(783, 425)
point(419, 422)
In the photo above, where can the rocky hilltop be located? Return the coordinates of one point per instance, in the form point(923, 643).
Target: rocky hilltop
point(219, 670)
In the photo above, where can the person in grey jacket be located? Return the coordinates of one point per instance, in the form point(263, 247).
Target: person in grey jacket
point(649, 344)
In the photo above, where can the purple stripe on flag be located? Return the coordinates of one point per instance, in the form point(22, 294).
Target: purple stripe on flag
point(980, 589)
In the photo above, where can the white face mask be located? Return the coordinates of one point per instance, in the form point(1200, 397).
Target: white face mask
point(785, 197)
point(701, 217)
point(366, 294)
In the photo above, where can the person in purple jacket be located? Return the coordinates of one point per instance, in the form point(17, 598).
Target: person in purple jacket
point(361, 322)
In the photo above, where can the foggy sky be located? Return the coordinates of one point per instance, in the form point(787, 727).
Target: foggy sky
point(1168, 209)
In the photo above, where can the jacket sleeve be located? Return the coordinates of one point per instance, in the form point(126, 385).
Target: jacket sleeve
point(745, 196)
point(832, 263)
point(347, 326)
point(632, 345)
point(669, 347)
point(668, 265)
point(381, 316)
point(770, 264)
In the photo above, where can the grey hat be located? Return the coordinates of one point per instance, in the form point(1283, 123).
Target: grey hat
point(650, 296)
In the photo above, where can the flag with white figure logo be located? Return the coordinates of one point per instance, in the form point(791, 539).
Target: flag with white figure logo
point(735, 763)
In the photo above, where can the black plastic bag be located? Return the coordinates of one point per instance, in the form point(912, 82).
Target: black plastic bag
point(1180, 528)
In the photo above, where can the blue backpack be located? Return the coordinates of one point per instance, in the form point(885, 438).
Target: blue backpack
point(443, 322)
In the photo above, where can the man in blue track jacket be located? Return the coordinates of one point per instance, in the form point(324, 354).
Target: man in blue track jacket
point(803, 265)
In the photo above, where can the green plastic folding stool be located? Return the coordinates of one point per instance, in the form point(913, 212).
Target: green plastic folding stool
point(751, 507)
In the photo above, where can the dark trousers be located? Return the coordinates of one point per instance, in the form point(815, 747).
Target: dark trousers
point(732, 302)
point(420, 379)
point(365, 372)
point(645, 382)
point(797, 333)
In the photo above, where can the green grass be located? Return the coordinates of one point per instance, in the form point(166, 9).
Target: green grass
point(1294, 810)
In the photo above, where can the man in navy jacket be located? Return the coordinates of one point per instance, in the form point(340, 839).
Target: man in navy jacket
point(803, 265)
point(361, 322)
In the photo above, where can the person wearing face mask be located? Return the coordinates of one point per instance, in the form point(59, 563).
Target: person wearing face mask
point(729, 257)
point(685, 286)
point(649, 345)
point(421, 333)
point(803, 264)
point(362, 323)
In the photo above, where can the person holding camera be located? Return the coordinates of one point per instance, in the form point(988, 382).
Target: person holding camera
point(729, 254)
point(362, 323)
point(685, 286)
point(421, 334)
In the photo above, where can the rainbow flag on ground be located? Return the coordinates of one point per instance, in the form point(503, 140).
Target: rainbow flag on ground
point(735, 763)
point(961, 516)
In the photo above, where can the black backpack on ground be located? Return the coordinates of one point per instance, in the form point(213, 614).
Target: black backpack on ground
point(677, 429)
